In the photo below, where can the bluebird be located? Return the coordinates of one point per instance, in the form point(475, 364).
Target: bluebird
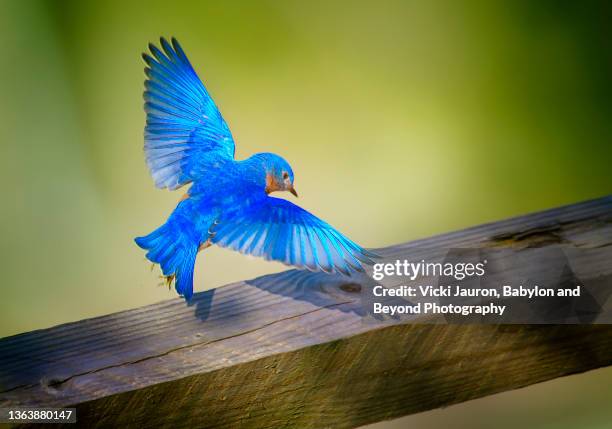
point(228, 203)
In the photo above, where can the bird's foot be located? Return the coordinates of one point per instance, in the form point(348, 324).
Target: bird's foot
point(167, 280)
point(204, 245)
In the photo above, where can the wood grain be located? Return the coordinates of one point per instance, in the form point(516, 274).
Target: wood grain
point(292, 349)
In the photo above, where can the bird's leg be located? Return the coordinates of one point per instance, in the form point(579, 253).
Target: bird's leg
point(205, 245)
point(169, 279)
point(211, 235)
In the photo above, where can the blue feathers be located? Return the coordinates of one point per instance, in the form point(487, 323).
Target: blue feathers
point(276, 229)
point(174, 246)
point(187, 140)
point(185, 133)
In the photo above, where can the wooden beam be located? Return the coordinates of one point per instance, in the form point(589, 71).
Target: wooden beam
point(292, 350)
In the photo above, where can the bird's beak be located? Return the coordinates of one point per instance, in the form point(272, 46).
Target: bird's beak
point(293, 191)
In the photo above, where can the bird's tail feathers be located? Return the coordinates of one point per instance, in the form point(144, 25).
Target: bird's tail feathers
point(175, 253)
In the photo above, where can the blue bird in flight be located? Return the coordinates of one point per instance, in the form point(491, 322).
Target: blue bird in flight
point(228, 203)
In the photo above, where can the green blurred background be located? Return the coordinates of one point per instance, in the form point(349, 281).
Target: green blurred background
point(400, 119)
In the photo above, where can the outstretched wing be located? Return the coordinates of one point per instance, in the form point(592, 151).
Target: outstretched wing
point(185, 133)
point(276, 229)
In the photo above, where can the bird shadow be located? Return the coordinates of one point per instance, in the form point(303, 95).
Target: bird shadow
point(202, 304)
point(349, 294)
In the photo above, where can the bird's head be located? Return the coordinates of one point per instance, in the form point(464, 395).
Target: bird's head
point(279, 175)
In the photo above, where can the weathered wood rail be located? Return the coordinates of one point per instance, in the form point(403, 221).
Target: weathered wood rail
point(291, 349)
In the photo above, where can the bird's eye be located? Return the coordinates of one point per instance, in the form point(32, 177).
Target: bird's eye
point(285, 175)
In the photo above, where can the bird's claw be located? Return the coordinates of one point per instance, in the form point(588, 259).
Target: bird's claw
point(167, 280)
